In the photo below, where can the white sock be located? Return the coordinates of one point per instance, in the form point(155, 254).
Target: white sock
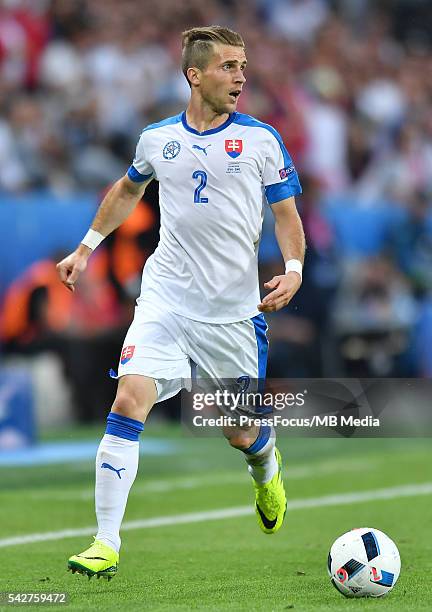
point(113, 485)
point(262, 464)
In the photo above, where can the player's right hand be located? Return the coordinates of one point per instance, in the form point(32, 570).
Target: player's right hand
point(71, 266)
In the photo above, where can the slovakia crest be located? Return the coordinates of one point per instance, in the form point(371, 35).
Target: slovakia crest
point(127, 354)
point(234, 147)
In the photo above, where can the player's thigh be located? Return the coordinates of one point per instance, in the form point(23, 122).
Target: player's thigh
point(155, 349)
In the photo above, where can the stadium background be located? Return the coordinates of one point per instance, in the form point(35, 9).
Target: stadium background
point(346, 85)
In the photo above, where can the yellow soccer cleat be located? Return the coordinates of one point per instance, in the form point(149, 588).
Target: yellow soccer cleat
point(98, 560)
point(270, 506)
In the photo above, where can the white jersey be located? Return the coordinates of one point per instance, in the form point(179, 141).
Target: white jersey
point(212, 189)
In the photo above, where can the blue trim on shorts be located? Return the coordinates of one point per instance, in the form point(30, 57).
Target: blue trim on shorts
point(261, 441)
point(193, 368)
point(123, 427)
point(261, 328)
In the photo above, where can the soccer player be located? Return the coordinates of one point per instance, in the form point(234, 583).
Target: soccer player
point(200, 301)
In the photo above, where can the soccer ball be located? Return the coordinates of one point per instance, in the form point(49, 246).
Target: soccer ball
point(364, 563)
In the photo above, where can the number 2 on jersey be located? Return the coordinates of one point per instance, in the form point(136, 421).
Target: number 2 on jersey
point(202, 177)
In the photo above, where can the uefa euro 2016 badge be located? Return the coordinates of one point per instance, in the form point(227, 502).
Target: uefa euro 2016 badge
point(171, 149)
point(284, 172)
point(233, 147)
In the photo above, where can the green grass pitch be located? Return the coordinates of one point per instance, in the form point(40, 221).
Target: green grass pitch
point(222, 564)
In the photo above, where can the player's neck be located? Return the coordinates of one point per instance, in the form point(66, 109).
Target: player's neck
point(202, 118)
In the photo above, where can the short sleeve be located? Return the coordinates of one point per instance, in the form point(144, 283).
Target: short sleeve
point(280, 177)
point(140, 170)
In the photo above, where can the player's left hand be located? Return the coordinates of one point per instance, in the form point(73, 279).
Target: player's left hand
point(283, 288)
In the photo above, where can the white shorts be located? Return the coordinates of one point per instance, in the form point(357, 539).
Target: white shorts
point(173, 349)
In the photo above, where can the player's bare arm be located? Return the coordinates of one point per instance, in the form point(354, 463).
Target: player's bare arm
point(291, 241)
point(117, 205)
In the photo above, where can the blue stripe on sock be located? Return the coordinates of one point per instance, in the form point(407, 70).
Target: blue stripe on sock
point(123, 427)
point(261, 441)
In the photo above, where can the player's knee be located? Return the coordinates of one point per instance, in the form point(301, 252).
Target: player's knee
point(135, 397)
point(129, 404)
point(241, 440)
point(241, 437)
point(125, 404)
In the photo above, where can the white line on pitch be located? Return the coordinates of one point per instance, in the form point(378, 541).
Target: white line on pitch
point(296, 472)
point(224, 513)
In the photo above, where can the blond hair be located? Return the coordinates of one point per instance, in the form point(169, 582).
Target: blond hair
point(198, 45)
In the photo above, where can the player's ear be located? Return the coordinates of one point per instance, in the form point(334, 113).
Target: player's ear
point(194, 76)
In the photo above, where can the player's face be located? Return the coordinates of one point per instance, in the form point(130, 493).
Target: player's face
point(221, 82)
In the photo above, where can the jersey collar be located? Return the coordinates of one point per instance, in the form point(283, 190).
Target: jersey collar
point(207, 132)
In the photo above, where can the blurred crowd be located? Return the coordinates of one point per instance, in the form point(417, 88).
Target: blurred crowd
point(345, 82)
